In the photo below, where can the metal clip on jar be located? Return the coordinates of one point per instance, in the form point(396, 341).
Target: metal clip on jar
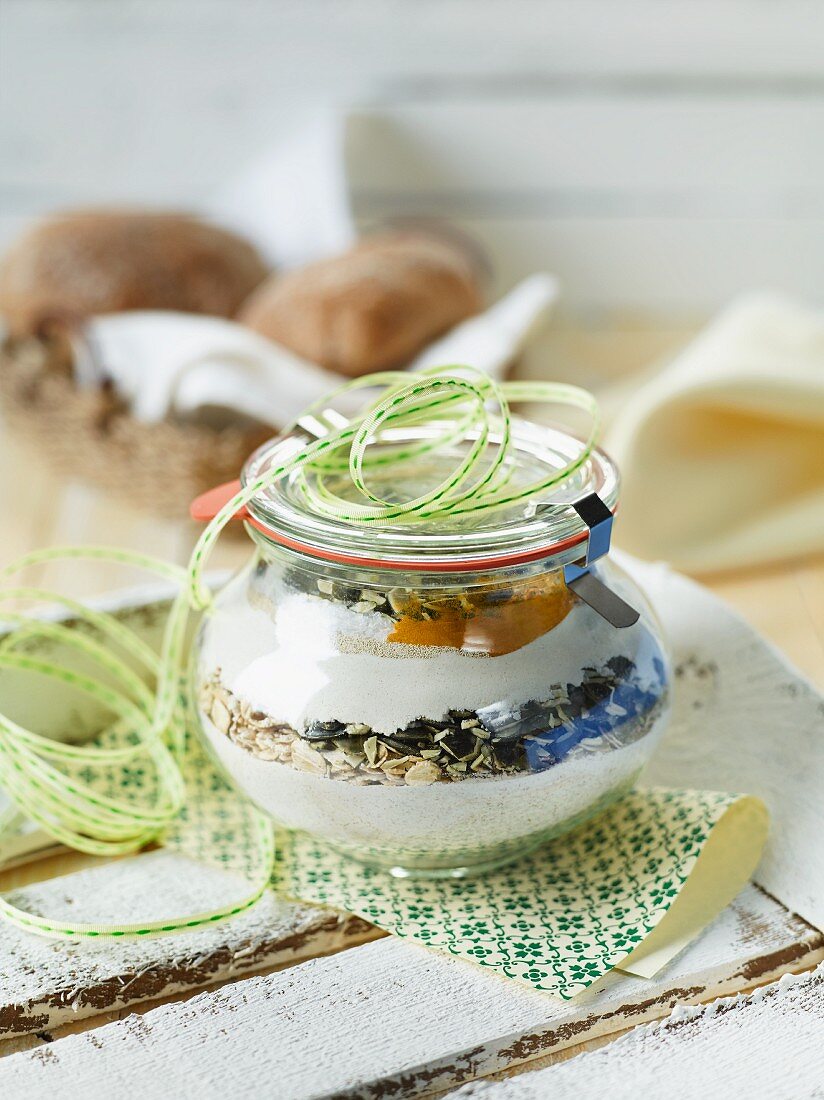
point(433, 699)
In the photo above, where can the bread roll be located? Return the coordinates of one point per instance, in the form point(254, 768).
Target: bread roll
point(372, 308)
point(73, 265)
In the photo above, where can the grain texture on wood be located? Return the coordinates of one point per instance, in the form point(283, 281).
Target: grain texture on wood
point(44, 983)
point(766, 1046)
point(29, 1041)
point(392, 1018)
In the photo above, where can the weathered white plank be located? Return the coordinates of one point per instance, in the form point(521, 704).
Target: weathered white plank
point(100, 91)
point(391, 1018)
point(193, 47)
point(45, 983)
point(126, 979)
point(685, 153)
point(768, 1046)
point(666, 205)
point(663, 266)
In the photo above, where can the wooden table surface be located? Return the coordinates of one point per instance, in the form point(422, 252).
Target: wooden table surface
point(40, 508)
point(391, 1017)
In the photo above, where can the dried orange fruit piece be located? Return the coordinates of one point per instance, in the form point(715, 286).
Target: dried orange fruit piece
point(493, 628)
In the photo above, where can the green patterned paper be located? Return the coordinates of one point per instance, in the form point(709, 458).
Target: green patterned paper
point(216, 824)
point(565, 915)
point(627, 889)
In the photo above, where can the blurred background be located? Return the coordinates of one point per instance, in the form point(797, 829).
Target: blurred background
point(659, 158)
point(660, 155)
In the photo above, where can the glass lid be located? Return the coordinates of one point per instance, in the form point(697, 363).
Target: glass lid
point(526, 530)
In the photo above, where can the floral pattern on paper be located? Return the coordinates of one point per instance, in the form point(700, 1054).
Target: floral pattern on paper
point(559, 919)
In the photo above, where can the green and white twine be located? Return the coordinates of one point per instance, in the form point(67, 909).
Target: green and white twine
point(79, 794)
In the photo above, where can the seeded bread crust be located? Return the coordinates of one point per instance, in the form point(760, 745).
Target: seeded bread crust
point(104, 261)
point(372, 308)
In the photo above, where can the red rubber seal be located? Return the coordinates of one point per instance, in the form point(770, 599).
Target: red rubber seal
point(205, 507)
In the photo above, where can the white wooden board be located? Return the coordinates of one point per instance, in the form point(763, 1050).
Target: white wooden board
point(547, 155)
point(768, 1046)
point(45, 983)
point(457, 1021)
point(390, 1018)
point(89, 979)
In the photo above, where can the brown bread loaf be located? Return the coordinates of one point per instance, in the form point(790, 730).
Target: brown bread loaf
point(75, 264)
point(371, 308)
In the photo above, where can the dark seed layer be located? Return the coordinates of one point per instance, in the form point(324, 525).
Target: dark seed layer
point(608, 709)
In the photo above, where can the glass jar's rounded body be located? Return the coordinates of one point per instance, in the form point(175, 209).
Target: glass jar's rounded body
point(430, 723)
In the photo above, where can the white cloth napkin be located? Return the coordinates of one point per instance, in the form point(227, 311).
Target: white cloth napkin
point(164, 362)
point(722, 452)
point(491, 340)
point(293, 202)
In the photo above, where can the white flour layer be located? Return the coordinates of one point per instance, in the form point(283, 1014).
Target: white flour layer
point(440, 817)
point(302, 675)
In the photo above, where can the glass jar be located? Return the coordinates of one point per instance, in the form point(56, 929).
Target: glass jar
point(433, 700)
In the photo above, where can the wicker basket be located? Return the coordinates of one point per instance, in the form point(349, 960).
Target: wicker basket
point(88, 433)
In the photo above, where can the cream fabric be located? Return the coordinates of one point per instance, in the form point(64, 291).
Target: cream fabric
point(722, 451)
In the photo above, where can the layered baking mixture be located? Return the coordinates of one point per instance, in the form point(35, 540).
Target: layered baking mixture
point(407, 688)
